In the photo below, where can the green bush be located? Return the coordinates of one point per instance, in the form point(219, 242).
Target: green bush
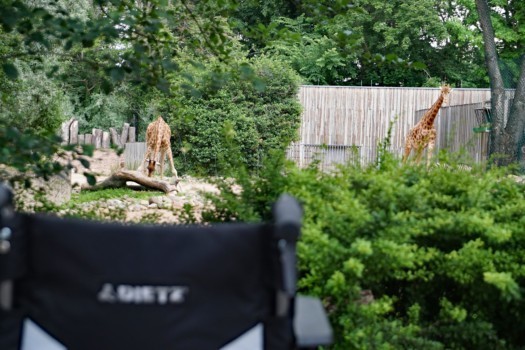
point(33, 103)
point(402, 256)
point(239, 123)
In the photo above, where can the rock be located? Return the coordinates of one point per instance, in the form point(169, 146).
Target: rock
point(162, 202)
point(57, 190)
point(116, 203)
point(136, 207)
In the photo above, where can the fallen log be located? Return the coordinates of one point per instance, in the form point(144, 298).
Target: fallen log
point(121, 177)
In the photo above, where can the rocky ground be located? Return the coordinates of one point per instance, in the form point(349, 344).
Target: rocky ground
point(158, 208)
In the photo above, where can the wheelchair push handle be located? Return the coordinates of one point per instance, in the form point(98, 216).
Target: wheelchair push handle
point(287, 214)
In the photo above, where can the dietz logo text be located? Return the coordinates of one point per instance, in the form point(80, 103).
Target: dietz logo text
point(133, 294)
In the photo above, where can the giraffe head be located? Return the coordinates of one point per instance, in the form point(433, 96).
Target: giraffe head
point(445, 90)
point(150, 166)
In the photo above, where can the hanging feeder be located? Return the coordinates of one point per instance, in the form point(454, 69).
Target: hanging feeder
point(484, 118)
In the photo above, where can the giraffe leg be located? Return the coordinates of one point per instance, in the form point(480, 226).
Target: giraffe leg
point(406, 154)
point(430, 150)
point(161, 160)
point(170, 157)
point(419, 154)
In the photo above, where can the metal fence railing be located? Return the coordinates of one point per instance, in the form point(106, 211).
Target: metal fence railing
point(328, 156)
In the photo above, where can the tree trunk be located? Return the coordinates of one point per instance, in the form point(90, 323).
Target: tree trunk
point(504, 140)
point(119, 179)
point(516, 125)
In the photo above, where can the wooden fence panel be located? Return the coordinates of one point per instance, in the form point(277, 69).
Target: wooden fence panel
point(360, 117)
point(134, 154)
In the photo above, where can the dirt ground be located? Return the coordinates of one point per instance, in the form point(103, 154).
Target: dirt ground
point(191, 190)
point(104, 162)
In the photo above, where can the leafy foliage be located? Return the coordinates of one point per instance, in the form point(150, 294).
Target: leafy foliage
point(241, 122)
point(23, 155)
point(33, 101)
point(141, 38)
point(370, 42)
point(402, 256)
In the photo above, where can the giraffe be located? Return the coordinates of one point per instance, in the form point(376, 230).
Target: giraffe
point(423, 134)
point(158, 144)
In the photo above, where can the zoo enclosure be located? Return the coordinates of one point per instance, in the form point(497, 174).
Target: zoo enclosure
point(134, 154)
point(345, 124)
point(359, 117)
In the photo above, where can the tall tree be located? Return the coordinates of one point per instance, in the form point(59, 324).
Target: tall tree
point(144, 37)
point(505, 139)
point(365, 42)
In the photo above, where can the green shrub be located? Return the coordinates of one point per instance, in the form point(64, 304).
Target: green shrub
point(239, 123)
point(402, 256)
point(33, 103)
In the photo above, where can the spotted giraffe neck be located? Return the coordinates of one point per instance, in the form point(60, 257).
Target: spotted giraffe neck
point(430, 116)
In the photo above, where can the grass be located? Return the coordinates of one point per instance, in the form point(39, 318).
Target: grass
point(111, 193)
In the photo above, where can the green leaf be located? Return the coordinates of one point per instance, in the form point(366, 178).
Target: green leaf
point(259, 84)
point(84, 162)
point(68, 45)
point(504, 281)
point(88, 150)
point(87, 43)
point(419, 65)
point(170, 65)
point(10, 71)
point(91, 179)
point(391, 57)
point(106, 86)
point(117, 74)
point(163, 85)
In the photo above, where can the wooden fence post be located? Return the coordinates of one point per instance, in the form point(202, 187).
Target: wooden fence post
point(115, 137)
point(65, 131)
point(131, 136)
point(124, 135)
point(105, 140)
point(73, 132)
point(97, 138)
